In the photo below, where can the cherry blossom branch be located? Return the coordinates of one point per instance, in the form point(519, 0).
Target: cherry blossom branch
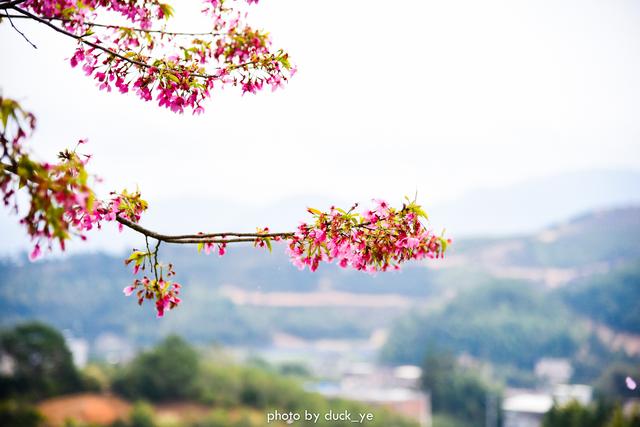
point(211, 238)
point(81, 39)
point(177, 71)
point(214, 238)
point(217, 238)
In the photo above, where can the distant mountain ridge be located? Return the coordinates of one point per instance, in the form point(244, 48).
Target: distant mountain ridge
point(602, 238)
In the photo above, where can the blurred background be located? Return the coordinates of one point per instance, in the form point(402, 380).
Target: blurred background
point(515, 123)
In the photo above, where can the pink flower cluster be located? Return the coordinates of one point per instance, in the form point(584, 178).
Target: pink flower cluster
point(376, 240)
point(209, 247)
point(163, 292)
point(80, 213)
point(127, 205)
point(65, 192)
point(74, 13)
point(61, 201)
point(172, 68)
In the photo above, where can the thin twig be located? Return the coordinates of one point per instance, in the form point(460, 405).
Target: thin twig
point(155, 260)
point(146, 240)
point(19, 32)
point(124, 27)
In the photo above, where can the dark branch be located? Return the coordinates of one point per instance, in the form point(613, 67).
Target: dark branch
point(9, 4)
point(201, 238)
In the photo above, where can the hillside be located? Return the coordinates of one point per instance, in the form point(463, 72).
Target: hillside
point(612, 299)
point(509, 325)
point(83, 294)
point(588, 244)
point(587, 312)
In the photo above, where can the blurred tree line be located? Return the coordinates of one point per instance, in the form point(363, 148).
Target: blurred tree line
point(37, 364)
point(600, 414)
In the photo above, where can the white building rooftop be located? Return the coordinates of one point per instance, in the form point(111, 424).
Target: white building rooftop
point(528, 403)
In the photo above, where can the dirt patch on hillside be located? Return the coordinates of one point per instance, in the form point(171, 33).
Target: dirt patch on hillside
point(86, 408)
point(314, 299)
point(104, 410)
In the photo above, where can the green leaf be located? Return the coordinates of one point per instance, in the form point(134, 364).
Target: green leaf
point(136, 256)
point(443, 244)
point(167, 10)
point(173, 78)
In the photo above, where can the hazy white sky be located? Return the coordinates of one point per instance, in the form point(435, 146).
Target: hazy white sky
point(390, 97)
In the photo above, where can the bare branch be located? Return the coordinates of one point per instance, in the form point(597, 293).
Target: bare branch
point(201, 238)
point(18, 31)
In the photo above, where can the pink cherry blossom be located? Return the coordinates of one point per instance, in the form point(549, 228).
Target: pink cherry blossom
point(177, 69)
point(377, 240)
point(35, 253)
